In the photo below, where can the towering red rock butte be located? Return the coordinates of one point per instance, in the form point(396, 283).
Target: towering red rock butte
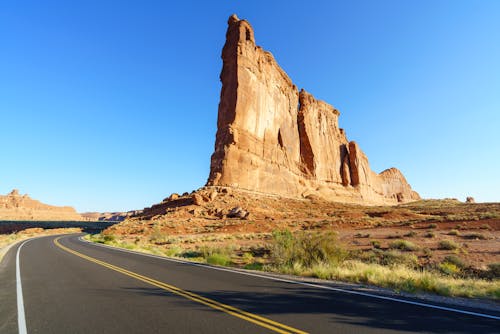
point(273, 139)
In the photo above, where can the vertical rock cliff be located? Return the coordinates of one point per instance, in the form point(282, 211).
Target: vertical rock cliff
point(271, 138)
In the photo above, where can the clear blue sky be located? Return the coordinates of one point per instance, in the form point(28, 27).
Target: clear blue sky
point(112, 105)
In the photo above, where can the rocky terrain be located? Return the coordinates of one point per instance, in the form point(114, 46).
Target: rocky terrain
point(218, 216)
point(14, 206)
point(272, 138)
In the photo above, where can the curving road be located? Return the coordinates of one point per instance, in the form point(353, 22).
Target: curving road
point(70, 286)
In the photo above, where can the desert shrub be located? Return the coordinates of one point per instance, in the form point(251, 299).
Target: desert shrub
point(403, 245)
point(108, 238)
point(173, 251)
point(494, 270)
point(485, 227)
point(475, 236)
point(247, 257)
point(306, 248)
point(219, 259)
point(453, 259)
point(429, 234)
point(489, 215)
point(449, 268)
point(433, 225)
point(191, 254)
point(410, 234)
point(375, 243)
point(253, 266)
point(453, 232)
point(158, 237)
point(448, 245)
point(393, 257)
point(361, 235)
point(427, 252)
point(206, 251)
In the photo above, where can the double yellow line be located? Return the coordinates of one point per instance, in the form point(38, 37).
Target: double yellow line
point(253, 318)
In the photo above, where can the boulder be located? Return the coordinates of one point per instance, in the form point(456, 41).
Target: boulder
point(238, 212)
point(197, 199)
point(173, 197)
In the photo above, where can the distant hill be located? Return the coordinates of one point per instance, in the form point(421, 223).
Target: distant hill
point(15, 206)
point(109, 216)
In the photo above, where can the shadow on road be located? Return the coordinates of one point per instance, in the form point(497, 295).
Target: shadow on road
point(309, 304)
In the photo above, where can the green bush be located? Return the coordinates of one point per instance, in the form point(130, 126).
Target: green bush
point(108, 238)
point(449, 268)
point(247, 257)
point(393, 257)
point(455, 260)
point(427, 252)
point(430, 234)
point(306, 248)
point(475, 236)
point(453, 232)
point(403, 245)
point(375, 244)
point(219, 259)
point(191, 254)
point(253, 266)
point(448, 245)
point(173, 251)
point(494, 270)
point(433, 225)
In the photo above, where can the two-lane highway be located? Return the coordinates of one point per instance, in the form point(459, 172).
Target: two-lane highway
point(70, 286)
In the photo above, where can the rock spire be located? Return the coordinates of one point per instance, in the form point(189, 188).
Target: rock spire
point(273, 138)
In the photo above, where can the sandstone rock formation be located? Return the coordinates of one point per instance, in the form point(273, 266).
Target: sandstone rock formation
point(273, 139)
point(21, 207)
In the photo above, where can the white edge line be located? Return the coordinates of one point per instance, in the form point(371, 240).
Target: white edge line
point(352, 292)
point(21, 319)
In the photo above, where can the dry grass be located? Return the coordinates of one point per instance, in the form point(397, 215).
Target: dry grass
point(400, 277)
point(324, 258)
point(321, 255)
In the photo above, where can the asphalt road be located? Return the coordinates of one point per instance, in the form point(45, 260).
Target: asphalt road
point(69, 286)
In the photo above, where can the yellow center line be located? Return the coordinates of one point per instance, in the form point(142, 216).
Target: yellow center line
point(253, 318)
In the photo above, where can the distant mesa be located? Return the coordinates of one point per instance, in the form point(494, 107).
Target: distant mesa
point(15, 206)
point(274, 139)
point(109, 216)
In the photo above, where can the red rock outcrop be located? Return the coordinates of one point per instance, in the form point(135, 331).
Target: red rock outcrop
point(271, 138)
point(21, 207)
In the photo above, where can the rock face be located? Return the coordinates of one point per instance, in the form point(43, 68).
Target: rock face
point(21, 207)
point(273, 139)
